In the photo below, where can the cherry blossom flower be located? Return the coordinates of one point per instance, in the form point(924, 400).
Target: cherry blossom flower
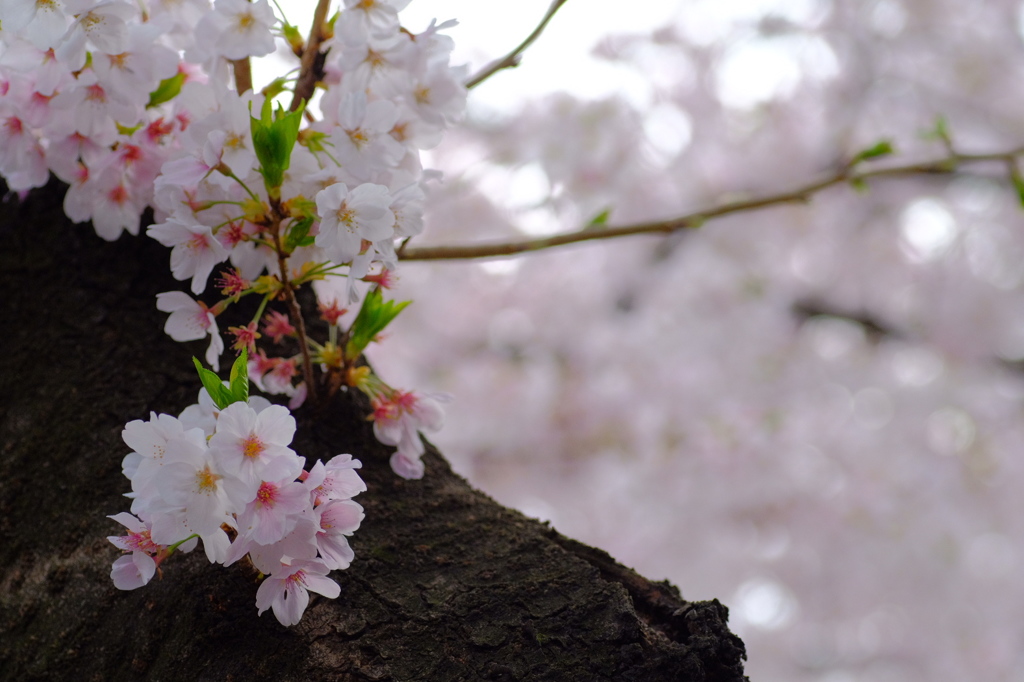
point(349, 217)
point(245, 337)
point(397, 420)
point(199, 488)
point(438, 95)
point(370, 17)
point(231, 283)
point(361, 138)
point(277, 326)
point(337, 480)
point(299, 543)
point(274, 511)
point(137, 70)
point(287, 589)
point(254, 447)
point(203, 415)
point(191, 320)
point(43, 23)
point(149, 442)
point(195, 250)
point(134, 571)
point(237, 29)
point(330, 312)
point(103, 24)
point(337, 519)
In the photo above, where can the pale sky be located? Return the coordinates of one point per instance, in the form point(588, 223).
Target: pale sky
point(751, 71)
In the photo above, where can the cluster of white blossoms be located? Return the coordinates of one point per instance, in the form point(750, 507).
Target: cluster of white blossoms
point(147, 104)
point(140, 104)
point(228, 477)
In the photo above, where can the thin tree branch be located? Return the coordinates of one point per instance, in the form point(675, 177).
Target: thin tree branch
point(945, 166)
point(243, 74)
point(312, 63)
point(512, 58)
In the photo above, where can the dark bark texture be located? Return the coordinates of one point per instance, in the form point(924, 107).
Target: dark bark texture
point(446, 585)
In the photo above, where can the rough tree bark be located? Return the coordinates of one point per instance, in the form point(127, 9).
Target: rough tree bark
point(447, 584)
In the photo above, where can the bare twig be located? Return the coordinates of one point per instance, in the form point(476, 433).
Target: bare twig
point(243, 74)
point(943, 166)
point(312, 63)
point(293, 303)
point(512, 58)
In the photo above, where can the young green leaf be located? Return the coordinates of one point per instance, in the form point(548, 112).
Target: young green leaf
point(600, 219)
point(239, 378)
point(940, 132)
point(274, 88)
point(879, 149)
point(294, 37)
point(1017, 180)
point(214, 386)
point(297, 234)
point(166, 91)
point(273, 137)
point(1018, 184)
point(373, 317)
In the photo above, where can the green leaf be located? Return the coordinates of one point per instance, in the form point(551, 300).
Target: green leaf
point(373, 317)
point(275, 88)
point(600, 219)
point(940, 131)
point(166, 91)
point(879, 149)
point(298, 233)
point(312, 140)
point(239, 379)
point(273, 138)
point(294, 37)
point(214, 386)
point(125, 130)
point(1018, 182)
point(859, 184)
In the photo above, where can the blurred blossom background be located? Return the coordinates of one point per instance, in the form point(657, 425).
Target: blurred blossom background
point(811, 412)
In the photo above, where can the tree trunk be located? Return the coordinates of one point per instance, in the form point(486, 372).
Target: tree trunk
point(446, 585)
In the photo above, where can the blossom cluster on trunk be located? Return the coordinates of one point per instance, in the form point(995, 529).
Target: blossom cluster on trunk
point(146, 104)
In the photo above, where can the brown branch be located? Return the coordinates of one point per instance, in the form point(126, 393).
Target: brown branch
point(243, 74)
point(311, 66)
point(803, 195)
point(293, 303)
point(512, 58)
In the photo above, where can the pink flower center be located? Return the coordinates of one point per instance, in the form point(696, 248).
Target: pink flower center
point(118, 195)
point(159, 129)
point(202, 316)
point(13, 125)
point(197, 243)
point(131, 153)
point(266, 496)
point(141, 542)
point(95, 93)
